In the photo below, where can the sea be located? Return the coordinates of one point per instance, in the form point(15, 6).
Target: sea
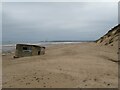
point(10, 46)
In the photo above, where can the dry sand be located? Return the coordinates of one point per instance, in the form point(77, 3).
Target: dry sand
point(84, 65)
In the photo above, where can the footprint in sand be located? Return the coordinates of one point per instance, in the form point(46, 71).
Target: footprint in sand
point(35, 73)
point(60, 69)
point(108, 84)
point(27, 83)
point(23, 77)
point(72, 79)
point(95, 79)
point(38, 81)
point(37, 78)
point(108, 74)
point(21, 81)
point(84, 80)
point(18, 79)
point(44, 86)
point(13, 77)
point(34, 77)
point(50, 73)
point(5, 83)
point(41, 78)
point(10, 86)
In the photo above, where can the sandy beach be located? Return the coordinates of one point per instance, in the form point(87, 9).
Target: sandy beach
point(80, 65)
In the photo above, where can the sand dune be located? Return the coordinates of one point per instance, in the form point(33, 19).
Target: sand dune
point(111, 38)
point(84, 65)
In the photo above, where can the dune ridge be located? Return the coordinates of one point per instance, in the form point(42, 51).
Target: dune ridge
point(111, 37)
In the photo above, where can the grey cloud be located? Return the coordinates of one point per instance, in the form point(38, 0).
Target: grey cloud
point(57, 21)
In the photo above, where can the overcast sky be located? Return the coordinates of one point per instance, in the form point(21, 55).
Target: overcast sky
point(33, 21)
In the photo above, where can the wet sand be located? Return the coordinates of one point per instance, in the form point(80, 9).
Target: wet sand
point(84, 65)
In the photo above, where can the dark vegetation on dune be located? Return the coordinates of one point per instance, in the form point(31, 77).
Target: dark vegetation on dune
point(110, 37)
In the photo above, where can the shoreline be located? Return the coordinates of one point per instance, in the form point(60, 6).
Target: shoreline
point(7, 48)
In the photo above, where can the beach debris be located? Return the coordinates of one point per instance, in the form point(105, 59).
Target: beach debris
point(23, 50)
point(95, 79)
